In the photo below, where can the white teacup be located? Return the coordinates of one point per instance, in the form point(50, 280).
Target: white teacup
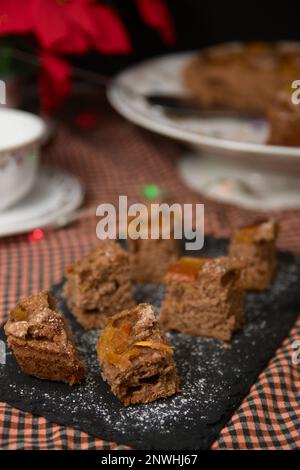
point(20, 140)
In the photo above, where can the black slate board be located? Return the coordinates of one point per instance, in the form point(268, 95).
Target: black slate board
point(215, 379)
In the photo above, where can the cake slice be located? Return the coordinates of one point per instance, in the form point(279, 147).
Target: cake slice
point(135, 358)
point(203, 298)
point(99, 285)
point(244, 77)
point(150, 258)
point(284, 119)
point(254, 246)
point(41, 341)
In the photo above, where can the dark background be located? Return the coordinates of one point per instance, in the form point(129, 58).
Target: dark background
point(200, 23)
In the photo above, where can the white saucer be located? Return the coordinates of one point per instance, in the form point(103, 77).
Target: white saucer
point(54, 195)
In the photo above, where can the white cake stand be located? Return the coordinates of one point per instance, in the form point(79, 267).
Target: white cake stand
point(247, 187)
point(230, 160)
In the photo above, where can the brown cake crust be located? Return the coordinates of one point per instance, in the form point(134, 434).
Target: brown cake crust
point(98, 285)
point(254, 246)
point(151, 258)
point(41, 340)
point(284, 119)
point(242, 76)
point(135, 358)
point(249, 77)
point(204, 300)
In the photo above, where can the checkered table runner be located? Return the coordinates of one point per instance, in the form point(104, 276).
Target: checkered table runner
point(120, 159)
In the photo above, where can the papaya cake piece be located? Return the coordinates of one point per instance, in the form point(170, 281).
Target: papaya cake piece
point(99, 285)
point(203, 298)
point(135, 358)
point(41, 340)
point(151, 257)
point(254, 246)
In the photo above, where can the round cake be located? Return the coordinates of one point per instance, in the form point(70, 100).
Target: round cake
point(255, 77)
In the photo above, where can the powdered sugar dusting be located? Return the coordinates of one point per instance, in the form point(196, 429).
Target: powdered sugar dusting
point(214, 377)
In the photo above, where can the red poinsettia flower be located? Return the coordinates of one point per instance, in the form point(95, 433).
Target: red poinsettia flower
point(54, 81)
point(63, 27)
point(157, 15)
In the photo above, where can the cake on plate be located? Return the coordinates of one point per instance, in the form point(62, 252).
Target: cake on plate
point(247, 77)
point(99, 285)
point(151, 257)
point(284, 119)
point(41, 340)
point(254, 246)
point(203, 298)
point(135, 358)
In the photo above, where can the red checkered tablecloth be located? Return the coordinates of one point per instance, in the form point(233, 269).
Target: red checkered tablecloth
point(119, 159)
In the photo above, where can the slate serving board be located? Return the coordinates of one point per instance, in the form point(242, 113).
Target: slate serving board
point(214, 379)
